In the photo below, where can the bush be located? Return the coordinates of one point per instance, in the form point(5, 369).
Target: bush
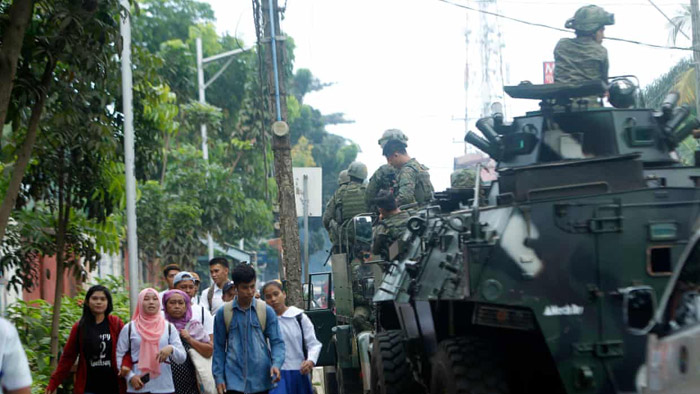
point(33, 322)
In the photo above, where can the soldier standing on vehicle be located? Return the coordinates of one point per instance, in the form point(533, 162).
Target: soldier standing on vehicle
point(413, 179)
point(583, 58)
point(392, 224)
point(348, 202)
point(328, 217)
point(382, 179)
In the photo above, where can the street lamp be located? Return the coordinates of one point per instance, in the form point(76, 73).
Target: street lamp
point(201, 61)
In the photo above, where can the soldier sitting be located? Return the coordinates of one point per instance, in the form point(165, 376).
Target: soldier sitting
point(392, 224)
point(382, 179)
point(583, 58)
point(412, 178)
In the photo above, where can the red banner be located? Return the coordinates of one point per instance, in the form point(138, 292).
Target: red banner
point(548, 72)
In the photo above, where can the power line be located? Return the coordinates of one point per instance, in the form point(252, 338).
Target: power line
point(669, 19)
point(560, 29)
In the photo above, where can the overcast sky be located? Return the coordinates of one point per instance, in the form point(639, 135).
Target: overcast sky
point(401, 63)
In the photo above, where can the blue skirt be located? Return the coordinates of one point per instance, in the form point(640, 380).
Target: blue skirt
point(293, 382)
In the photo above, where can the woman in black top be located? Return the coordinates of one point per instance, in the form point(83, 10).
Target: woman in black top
point(94, 339)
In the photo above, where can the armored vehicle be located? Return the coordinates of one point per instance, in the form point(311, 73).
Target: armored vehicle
point(529, 294)
point(535, 291)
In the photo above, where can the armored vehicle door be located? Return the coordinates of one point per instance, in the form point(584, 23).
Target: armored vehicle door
point(319, 307)
point(673, 349)
point(639, 237)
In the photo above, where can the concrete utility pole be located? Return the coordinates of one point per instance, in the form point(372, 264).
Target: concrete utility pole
point(127, 81)
point(695, 19)
point(281, 146)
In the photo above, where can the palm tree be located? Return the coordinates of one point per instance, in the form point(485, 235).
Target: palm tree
point(680, 24)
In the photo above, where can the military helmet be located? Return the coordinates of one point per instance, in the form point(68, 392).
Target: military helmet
point(393, 135)
point(343, 178)
point(589, 19)
point(357, 170)
point(463, 179)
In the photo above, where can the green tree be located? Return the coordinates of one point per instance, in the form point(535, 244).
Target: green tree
point(73, 36)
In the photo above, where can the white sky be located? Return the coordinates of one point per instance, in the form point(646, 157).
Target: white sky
point(401, 63)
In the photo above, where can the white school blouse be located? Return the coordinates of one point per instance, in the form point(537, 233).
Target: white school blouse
point(289, 328)
point(164, 382)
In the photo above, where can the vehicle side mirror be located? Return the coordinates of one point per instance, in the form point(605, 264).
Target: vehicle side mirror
point(305, 292)
point(639, 305)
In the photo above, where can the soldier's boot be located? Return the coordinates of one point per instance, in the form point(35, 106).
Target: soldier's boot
point(360, 319)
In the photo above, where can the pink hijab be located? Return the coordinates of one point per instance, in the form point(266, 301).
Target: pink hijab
point(151, 328)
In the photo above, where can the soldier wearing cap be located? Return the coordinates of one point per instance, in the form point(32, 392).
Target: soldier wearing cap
point(584, 57)
point(412, 179)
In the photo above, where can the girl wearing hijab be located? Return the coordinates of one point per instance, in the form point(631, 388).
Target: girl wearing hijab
point(93, 340)
point(154, 345)
point(300, 343)
point(178, 311)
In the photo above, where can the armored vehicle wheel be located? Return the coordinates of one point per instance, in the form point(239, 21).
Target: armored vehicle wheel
point(391, 373)
point(467, 366)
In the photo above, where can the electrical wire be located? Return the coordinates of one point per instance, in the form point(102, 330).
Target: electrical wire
point(559, 28)
point(668, 19)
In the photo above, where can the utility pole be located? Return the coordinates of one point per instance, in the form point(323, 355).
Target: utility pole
point(695, 19)
point(281, 147)
point(202, 87)
point(127, 94)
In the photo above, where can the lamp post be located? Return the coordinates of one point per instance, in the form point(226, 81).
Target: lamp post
point(202, 85)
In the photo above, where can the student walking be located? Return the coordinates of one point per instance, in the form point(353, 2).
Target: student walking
point(93, 341)
point(211, 296)
point(178, 311)
point(153, 343)
point(15, 377)
point(243, 362)
point(300, 343)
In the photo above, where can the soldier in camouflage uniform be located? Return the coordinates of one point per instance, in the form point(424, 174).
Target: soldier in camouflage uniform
point(391, 225)
point(412, 178)
point(328, 217)
point(382, 179)
point(583, 58)
point(348, 201)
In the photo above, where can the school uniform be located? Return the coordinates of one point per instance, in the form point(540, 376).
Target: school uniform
point(164, 382)
point(293, 382)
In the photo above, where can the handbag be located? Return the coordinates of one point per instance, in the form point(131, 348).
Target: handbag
point(202, 370)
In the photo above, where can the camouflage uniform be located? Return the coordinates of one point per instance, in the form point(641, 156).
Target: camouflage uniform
point(348, 201)
point(329, 215)
point(463, 179)
point(583, 58)
point(413, 184)
point(580, 59)
point(387, 231)
point(382, 179)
